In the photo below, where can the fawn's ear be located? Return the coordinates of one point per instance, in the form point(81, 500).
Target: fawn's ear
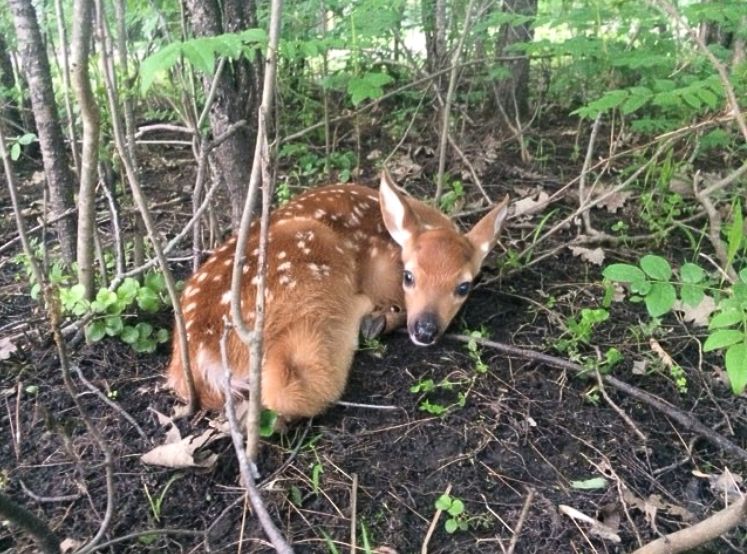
point(484, 234)
point(400, 220)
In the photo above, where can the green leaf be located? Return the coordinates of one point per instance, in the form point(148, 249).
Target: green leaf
point(595, 483)
point(736, 367)
point(77, 292)
point(656, 267)
point(15, 151)
point(456, 508)
point(162, 335)
point(722, 338)
point(127, 291)
point(95, 331)
point(27, 139)
point(200, 55)
point(157, 62)
point(726, 318)
point(114, 325)
point(640, 287)
point(267, 421)
point(660, 299)
point(144, 330)
point(623, 273)
point(129, 334)
point(691, 273)
point(743, 275)
point(443, 502)
point(692, 295)
point(451, 526)
point(148, 300)
point(155, 281)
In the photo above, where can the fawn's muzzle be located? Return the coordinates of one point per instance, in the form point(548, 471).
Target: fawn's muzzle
point(424, 331)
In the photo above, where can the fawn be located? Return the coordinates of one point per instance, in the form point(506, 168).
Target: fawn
point(341, 259)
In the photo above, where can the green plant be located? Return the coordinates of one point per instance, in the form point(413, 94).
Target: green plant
point(579, 330)
point(651, 282)
point(453, 197)
point(157, 503)
point(17, 144)
point(454, 508)
point(475, 352)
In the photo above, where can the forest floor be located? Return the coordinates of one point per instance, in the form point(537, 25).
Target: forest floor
point(527, 441)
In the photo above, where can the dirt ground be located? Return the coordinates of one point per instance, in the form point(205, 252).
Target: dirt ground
point(520, 448)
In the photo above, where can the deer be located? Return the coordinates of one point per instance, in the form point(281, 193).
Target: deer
point(342, 260)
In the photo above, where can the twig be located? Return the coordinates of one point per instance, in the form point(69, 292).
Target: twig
point(432, 526)
point(714, 229)
point(700, 533)
point(353, 512)
point(253, 339)
point(109, 402)
point(247, 474)
point(39, 227)
point(47, 499)
point(684, 419)
point(625, 417)
point(381, 407)
point(446, 110)
point(585, 215)
point(520, 522)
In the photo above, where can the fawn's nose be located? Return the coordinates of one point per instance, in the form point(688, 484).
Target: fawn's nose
point(425, 329)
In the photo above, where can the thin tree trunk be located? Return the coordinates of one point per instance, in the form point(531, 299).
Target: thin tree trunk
point(36, 67)
point(236, 94)
point(59, 12)
point(513, 91)
point(89, 112)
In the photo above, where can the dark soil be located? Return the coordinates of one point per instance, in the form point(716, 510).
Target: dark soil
point(524, 428)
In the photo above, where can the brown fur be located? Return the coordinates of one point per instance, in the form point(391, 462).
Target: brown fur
point(331, 261)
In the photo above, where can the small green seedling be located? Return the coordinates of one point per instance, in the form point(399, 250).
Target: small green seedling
point(157, 503)
point(457, 520)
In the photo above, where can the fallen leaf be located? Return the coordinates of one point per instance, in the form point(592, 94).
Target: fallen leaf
point(7, 347)
point(70, 545)
point(530, 205)
point(699, 315)
point(183, 453)
point(594, 256)
point(402, 166)
point(726, 483)
point(374, 155)
point(639, 367)
point(615, 200)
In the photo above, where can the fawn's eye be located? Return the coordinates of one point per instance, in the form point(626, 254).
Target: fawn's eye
point(463, 288)
point(408, 278)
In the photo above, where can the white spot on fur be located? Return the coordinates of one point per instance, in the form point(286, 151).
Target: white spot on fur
point(190, 307)
point(284, 279)
point(340, 250)
point(224, 247)
point(255, 252)
point(374, 252)
point(255, 280)
point(281, 254)
point(285, 266)
point(226, 298)
point(319, 214)
point(301, 244)
point(191, 291)
point(228, 261)
point(245, 269)
point(201, 277)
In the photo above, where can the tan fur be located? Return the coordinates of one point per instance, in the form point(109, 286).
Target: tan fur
point(331, 261)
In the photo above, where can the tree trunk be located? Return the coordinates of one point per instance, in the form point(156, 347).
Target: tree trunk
point(433, 14)
point(36, 67)
point(89, 113)
point(513, 91)
point(235, 96)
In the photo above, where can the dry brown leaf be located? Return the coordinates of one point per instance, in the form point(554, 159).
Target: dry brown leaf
point(531, 204)
point(654, 503)
point(614, 201)
point(724, 483)
point(402, 166)
point(70, 545)
point(7, 347)
point(698, 315)
point(592, 255)
point(639, 367)
point(183, 453)
point(374, 155)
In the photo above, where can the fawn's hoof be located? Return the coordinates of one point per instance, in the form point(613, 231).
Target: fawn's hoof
point(373, 325)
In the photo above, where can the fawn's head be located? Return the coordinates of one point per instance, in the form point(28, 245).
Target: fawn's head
point(440, 264)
